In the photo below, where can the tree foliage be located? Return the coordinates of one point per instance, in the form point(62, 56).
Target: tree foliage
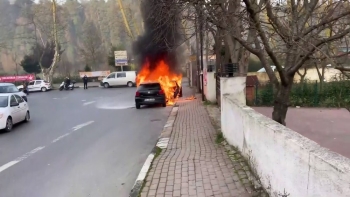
point(40, 57)
point(25, 22)
point(30, 64)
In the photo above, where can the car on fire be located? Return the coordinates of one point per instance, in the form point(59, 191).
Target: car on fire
point(150, 93)
point(177, 89)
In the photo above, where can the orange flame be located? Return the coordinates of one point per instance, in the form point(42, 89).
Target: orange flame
point(190, 98)
point(161, 74)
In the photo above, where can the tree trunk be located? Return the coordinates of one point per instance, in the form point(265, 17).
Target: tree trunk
point(281, 104)
point(56, 57)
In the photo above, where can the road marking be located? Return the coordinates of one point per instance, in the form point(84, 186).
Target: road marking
point(88, 103)
point(82, 125)
point(163, 143)
point(61, 137)
point(9, 164)
point(83, 100)
point(19, 159)
point(145, 167)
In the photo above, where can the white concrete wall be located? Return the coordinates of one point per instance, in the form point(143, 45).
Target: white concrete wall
point(283, 159)
point(210, 86)
point(233, 86)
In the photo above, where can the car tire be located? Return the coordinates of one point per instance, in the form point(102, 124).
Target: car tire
point(138, 106)
point(130, 84)
point(43, 89)
point(9, 124)
point(27, 118)
point(164, 105)
point(106, 85)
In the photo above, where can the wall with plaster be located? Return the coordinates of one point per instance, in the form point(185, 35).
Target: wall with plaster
point(283, 159)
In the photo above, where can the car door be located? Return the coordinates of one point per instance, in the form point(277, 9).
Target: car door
point(121, 78)
point(37, 85)
point(22, 106)
point(31, 86)
point(14, 109)
point(111, 80)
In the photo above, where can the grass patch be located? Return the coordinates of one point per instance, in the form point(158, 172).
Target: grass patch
point(157, 152)
point(219, 138)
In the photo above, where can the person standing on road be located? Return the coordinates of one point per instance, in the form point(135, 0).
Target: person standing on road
point(85, 80)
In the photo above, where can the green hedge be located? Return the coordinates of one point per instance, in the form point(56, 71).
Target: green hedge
point(332, 94)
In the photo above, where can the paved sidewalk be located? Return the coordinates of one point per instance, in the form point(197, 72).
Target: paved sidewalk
point(193, 164)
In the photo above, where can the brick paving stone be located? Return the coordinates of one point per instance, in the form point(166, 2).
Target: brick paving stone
point(193, 164)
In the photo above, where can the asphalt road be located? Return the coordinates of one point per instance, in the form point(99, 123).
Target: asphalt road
point(79, 143)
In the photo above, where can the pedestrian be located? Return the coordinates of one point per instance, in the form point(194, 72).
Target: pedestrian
point(85, 80)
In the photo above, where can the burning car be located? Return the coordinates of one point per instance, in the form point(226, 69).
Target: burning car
point(170, 82)
point(177, 90)
point(150, 93)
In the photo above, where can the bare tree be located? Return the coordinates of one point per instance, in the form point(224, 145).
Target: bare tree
point(91, 46)
point(47, 20)
point(287, 33)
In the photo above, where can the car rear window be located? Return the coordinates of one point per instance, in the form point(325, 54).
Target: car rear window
point(150, 86)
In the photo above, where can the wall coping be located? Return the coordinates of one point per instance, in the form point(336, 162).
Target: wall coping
point(339, 162)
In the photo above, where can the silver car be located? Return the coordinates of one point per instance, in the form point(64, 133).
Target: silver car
point(6, 88)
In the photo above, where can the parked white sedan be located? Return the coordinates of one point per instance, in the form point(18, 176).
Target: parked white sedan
point(37, 85)
point(13, 109)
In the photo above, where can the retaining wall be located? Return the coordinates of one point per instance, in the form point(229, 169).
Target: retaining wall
point(283, 159)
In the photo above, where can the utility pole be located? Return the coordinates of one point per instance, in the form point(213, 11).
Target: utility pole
point(197, 58)
point(201, 49)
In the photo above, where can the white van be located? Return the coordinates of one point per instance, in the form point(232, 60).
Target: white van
point(119, 79)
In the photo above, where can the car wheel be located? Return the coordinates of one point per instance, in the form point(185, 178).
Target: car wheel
point(9, 124)
point(138, 106)
point(27, 118)
point(130, 84)
point(164, 105)
point(43, 89)
point(106, 85)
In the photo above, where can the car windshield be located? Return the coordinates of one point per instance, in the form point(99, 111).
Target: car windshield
point(3, 101)
point(150, 86)
point(8, 89)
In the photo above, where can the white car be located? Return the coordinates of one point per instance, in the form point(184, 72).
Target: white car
point(13, 109)
point(6, 88)
point(119, 79)
point(37, 85)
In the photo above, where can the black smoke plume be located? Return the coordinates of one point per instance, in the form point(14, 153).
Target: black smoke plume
point(161, 35)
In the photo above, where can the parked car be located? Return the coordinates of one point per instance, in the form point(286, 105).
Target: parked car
point(150, 93)
point(119, 79)
point(37, 85)
point(13, 109)
point(6, 88)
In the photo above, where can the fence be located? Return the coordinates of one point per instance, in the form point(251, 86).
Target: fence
point(309, 94)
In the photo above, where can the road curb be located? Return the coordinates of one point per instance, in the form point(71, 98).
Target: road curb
point(162, 143)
